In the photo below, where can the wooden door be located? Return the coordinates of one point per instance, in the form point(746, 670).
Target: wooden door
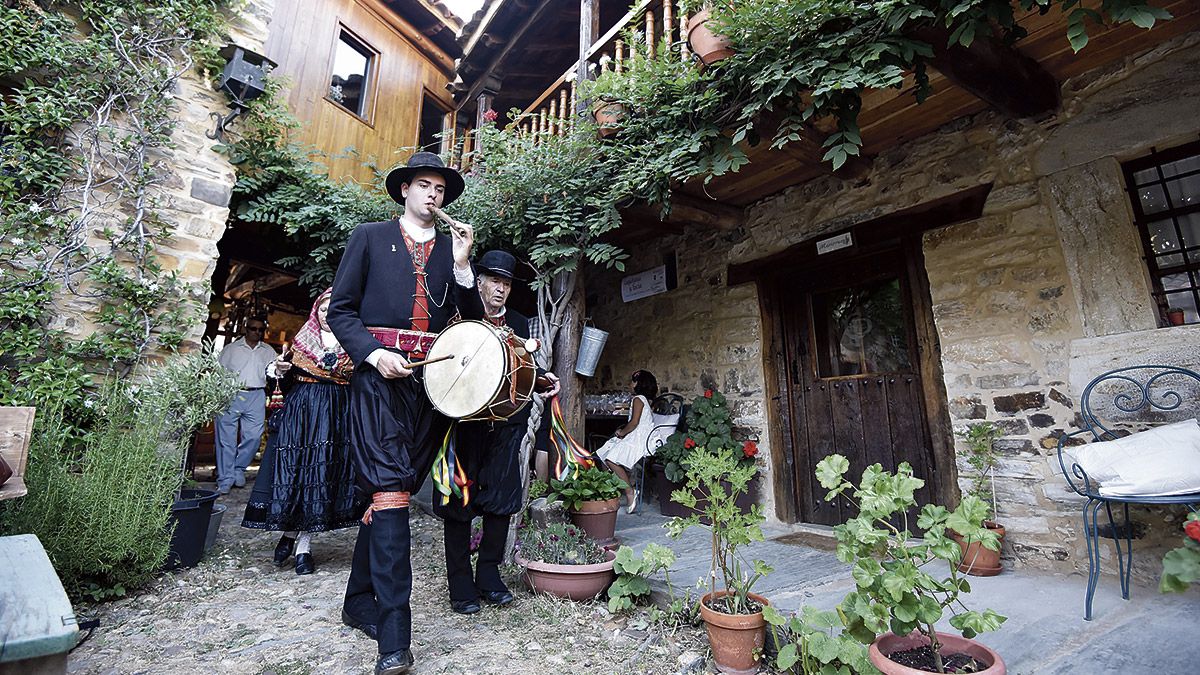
point(853, 385)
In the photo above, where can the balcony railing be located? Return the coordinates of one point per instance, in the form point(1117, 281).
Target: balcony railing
point(661, 21)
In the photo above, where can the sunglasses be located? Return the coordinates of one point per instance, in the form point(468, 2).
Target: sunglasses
point(256, 329)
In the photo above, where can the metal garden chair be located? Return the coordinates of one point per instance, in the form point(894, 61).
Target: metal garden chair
point(1113, 405)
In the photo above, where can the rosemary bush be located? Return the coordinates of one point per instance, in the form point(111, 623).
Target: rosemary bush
point(100, 506)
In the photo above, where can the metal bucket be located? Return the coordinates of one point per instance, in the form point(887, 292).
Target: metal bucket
point(591, 343)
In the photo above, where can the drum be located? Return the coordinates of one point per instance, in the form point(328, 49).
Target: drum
point(491, 376)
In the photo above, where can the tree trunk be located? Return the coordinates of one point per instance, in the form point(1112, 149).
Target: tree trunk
point(566, 349)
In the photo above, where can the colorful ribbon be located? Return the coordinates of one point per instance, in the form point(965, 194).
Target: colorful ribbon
point(570, 456)
point(449, 478)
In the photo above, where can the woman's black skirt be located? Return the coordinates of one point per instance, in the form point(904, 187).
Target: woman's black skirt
point(306, 481)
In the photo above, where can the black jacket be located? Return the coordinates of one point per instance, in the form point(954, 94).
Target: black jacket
point(377, 259)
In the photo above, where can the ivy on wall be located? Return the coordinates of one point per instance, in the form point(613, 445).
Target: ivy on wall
point(87, 112)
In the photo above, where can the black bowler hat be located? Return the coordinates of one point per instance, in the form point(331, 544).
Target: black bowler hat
point(425, 161)
point(497, 264)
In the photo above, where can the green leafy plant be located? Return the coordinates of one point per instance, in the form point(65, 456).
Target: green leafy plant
point(896, 587)
point(709, 426)
point(811, 641)
point(590, 484)
point(100, 502)
point(1181, 566)
point(980, 439)
point(538, 488)
point(713, 482)
point(559, 544)
point(632, 584)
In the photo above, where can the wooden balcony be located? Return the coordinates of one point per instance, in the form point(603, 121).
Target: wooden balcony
point(1020, 82)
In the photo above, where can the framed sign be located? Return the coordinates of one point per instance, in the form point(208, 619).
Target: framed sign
point(644, 284)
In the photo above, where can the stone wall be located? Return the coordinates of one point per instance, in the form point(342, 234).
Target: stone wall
point(1022, 297)
point(195, 182)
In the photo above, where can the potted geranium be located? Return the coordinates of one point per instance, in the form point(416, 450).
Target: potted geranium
point(591, 497)
point(979, 559)
point(709, 424)
point(732, 613)
point(901, 591)
point(562, 560)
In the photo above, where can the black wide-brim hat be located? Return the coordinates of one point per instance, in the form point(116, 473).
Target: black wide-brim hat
point(497, 264)
point(425, 162)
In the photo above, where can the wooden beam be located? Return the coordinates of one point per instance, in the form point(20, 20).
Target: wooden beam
point(531, 19)
point(948, 210)
point(708, 212)
point(422, 43)
point(999, 74)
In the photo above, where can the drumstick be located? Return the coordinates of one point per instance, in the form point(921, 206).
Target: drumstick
point(429, 361)
point(449, 221)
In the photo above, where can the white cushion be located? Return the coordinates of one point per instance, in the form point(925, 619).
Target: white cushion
point(664, 426)
point(1160, 461)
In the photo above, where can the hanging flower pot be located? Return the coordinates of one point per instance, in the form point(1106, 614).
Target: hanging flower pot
point(952, 647)
point(608, 116)
point(704, 43)
point(734, 638)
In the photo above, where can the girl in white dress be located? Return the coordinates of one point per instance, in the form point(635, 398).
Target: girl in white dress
point(624, 450)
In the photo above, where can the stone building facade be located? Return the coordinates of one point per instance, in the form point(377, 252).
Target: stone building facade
point(1044, 290)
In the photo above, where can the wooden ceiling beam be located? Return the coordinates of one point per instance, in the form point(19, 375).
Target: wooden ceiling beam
point(994, 72)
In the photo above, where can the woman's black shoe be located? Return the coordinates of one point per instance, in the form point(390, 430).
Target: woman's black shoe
point(304, 563)
point(284, 550)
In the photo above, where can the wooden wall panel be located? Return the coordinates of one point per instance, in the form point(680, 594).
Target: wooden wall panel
point(302, 38)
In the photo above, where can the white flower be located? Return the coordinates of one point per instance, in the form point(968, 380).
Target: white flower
point(35, 207)
point(17, 241)
point(89, 403)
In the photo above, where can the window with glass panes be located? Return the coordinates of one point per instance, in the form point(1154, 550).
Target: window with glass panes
point(1165, 191)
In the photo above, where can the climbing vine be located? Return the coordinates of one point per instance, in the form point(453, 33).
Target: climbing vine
point(87, 111)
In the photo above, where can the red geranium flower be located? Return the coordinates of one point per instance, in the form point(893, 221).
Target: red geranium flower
point(1192, 529)
point(708, 393)
point(490, 115)
point(689, 444)
point(750, 449)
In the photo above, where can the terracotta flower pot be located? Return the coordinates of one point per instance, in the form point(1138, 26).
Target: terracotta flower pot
point(734, 637)
point(608, 116)
point(977, 559)
point(574, 582)
point(1175, 318)
point(598, 519)
point(890, 643)
point(705, 44)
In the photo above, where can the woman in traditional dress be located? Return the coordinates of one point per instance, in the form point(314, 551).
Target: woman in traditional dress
point(305, 482)
point(628, 446)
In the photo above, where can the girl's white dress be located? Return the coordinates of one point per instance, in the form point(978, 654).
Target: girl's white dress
point(627, 451)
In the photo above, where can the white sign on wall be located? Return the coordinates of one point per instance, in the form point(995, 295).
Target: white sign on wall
point(831, 244)
point(644, 284)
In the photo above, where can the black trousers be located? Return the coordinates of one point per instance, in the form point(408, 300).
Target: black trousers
point(463, 584)
point(393, 429)
point(380, 584)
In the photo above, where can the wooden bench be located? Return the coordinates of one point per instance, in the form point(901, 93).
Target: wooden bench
point(1113, 405)
point(16, 428)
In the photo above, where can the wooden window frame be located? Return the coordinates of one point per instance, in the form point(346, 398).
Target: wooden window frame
point(370, 86)
point(1191, 254)
point(447, 121)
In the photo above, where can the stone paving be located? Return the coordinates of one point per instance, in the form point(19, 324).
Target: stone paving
point(1045, 633)
point(237, 613)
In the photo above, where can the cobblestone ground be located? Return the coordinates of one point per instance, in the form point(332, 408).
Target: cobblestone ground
point(238, 613)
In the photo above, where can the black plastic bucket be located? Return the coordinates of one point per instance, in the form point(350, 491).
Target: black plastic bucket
point(190, 515)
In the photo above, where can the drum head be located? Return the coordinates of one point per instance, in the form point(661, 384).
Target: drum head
point(464, 385)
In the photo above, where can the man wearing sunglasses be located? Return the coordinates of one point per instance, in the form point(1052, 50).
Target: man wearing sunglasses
point(249, 357)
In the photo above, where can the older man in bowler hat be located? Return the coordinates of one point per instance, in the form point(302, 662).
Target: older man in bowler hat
point(398, 284)
point(489, 454)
